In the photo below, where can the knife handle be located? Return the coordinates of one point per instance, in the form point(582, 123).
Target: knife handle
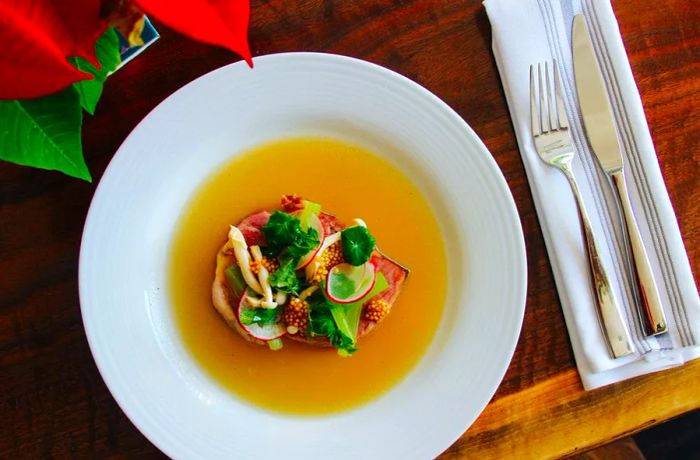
point(650, 310)
point(614, 326)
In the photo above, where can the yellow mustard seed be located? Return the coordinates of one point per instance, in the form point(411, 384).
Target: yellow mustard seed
point(331, 256)
point(270, 265)
point(320, 274)
point(296, 315)
point(376, 309)
point(334, 254)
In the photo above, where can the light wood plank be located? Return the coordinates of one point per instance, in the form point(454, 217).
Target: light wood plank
point(558, 418)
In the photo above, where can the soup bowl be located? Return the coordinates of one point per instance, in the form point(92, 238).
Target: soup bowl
point(124, 254)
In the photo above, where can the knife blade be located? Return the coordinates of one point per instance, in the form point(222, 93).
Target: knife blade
point(602, 135)
point(593, 100)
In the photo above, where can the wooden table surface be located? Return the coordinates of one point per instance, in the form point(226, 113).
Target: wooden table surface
point(53, 402)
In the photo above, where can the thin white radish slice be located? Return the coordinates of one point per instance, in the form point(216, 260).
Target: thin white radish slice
point(314, 264)
point(347, 283)
point(266, 332)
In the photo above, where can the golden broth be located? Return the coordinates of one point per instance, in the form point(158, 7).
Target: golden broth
point(349, 182)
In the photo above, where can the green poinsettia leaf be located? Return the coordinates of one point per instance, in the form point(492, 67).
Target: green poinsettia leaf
point(44, 133)
point(107, 50)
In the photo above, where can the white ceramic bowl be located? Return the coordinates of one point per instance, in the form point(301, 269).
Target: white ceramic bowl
point(125, 304)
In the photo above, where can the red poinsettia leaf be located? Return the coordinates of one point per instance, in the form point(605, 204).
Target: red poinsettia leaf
point(82, 24)
point(37, 36)
point(31, 65)
point(218, 22)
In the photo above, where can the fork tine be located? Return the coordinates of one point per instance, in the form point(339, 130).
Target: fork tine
point(543, 120)
point(534, 119)
point(561, 110)
point(550, 109)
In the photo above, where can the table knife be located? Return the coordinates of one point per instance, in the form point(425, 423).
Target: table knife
point(602, 136)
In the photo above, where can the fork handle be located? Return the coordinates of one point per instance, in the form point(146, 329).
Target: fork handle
point(650, 310)
point(614, 325)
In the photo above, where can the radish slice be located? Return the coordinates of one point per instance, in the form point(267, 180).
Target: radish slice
point(267, 332)
point(347, 283)
point(315, 223)
point(314, 264)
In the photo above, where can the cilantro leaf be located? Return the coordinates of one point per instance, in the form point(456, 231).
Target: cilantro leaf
point(283, 232)
point(284, 278)
point(318, 300)
point(358, 244)
point(303, 243)
point(322, 323)
point(260, 316)
point(343, 343)
point(280, 229)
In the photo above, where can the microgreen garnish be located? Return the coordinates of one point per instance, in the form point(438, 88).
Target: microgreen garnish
point(284, 278)
point(260, 316)
point(283, 232)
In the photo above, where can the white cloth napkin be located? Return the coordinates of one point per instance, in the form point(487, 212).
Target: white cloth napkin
point(530, 31)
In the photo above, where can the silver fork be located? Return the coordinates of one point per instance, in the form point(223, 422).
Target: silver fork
point(550, 130)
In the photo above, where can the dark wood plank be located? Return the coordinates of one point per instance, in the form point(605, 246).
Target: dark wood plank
point(52, 399)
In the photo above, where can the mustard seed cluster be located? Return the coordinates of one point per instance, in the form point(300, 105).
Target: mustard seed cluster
point(296, 316)
point(271, 264)
point(376, 309)
point(331, 256)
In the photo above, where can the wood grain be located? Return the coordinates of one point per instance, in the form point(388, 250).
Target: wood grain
point(52, 400)
point(556, 418)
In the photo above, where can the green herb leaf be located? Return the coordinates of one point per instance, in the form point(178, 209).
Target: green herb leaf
point(235, 281)
point(318, 300)
point(342, 343)
point(280, 229)
point(322, 323)
point(284, 278)
point(260, 316)
point(303, 243)
point(341, 322)
point(107, 50)
point(44, 133)
point(357, 244)
point(283, 232)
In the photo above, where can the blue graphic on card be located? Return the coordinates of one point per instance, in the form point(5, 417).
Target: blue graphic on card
point(148, 35)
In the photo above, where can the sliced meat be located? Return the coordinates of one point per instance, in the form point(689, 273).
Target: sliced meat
point(331, 224)
point(395, 275)
point(251, 227)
